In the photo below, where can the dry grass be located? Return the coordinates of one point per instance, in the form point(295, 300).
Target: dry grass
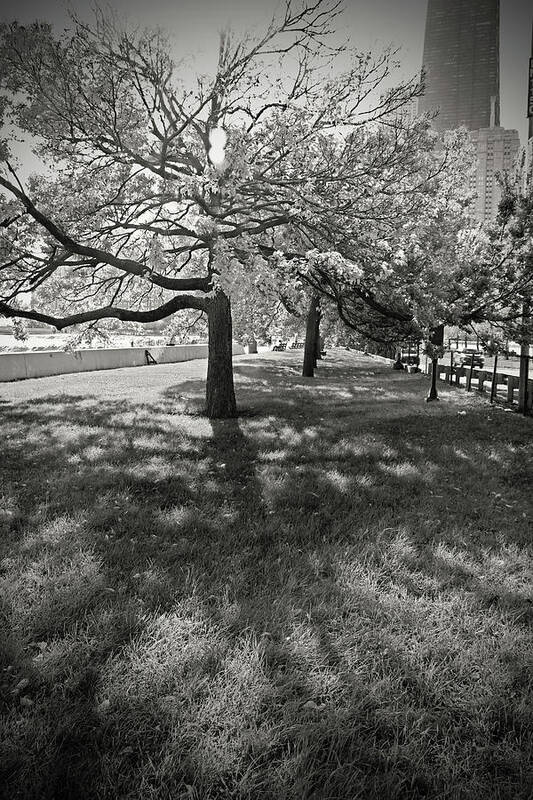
point(327, 598)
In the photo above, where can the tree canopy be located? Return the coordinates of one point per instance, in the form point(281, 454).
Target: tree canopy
point(159, 188)
point(295, 162)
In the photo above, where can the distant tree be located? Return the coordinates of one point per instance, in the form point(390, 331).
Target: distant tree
point(264, 302)
point(189, 325)
point(508, 250)
point(516, 220)
point(396, 271)
point(430, 264)
point(144, 208)
point(443, 268)
point(20, 330)
point(382, 241)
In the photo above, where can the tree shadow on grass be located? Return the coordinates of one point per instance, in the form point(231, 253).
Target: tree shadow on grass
point(252, 607)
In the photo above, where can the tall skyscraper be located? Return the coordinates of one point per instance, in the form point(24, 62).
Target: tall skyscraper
point(462, 64)
point(461, 59)
point(497, 150)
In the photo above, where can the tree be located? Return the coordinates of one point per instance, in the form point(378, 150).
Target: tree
point(312, 329)
point(516, 219)
point(398, 265)
point(385, 233)
point(264, 302)
point(428, 263)
point(157, 190)
point(480, 277)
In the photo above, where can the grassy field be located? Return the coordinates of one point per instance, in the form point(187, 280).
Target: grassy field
point(327, 598)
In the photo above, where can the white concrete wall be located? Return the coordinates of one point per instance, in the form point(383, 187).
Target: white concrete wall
point(37, 364)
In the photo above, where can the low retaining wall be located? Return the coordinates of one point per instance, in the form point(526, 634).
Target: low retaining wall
point(383, 359)
point(38, 364)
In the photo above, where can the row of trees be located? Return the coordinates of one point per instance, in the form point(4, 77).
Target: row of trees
point(294, 175)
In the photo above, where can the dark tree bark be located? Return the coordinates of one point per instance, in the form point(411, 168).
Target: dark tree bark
point(310, 337)
point(398, 359)
point(523, 404)
point(433, 394)
point(220, 393)
point(437, 340)
point(318, 347)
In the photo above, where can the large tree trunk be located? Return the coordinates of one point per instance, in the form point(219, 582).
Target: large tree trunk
point(220, 393)
point(311, 332)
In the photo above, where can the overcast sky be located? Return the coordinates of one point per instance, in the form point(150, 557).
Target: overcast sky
point(369, 24)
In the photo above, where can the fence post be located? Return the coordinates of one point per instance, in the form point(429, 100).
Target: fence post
point(494, 378)
point(469, 376)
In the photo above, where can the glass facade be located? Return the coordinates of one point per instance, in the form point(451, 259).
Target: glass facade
point(461, 60)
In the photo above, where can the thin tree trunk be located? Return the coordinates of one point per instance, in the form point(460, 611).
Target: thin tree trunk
point(310, 338)
point(220, 393)
point(318, 347)
point(524, 360)
point(437, 340)
point(494, 384)
point(251, 346)
point(433, 394)
point(398, 359)
point(470, 374)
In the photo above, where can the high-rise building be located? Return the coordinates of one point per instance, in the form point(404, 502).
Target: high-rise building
point(497, 150)
point(461, 60)
point(524, 167)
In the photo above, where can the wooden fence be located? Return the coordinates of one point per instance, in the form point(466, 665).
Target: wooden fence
point(505, 385)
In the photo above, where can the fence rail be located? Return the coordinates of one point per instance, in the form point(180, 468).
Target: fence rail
point(505, 387)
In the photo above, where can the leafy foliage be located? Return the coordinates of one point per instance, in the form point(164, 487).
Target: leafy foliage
point(135, 221)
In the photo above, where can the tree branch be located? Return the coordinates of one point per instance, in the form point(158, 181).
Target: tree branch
point(124, 264)
point(109, 312)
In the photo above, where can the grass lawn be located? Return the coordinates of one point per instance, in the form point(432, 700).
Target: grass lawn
point(328, 598)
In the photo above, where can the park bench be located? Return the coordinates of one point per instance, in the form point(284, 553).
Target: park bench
point(280, 346)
